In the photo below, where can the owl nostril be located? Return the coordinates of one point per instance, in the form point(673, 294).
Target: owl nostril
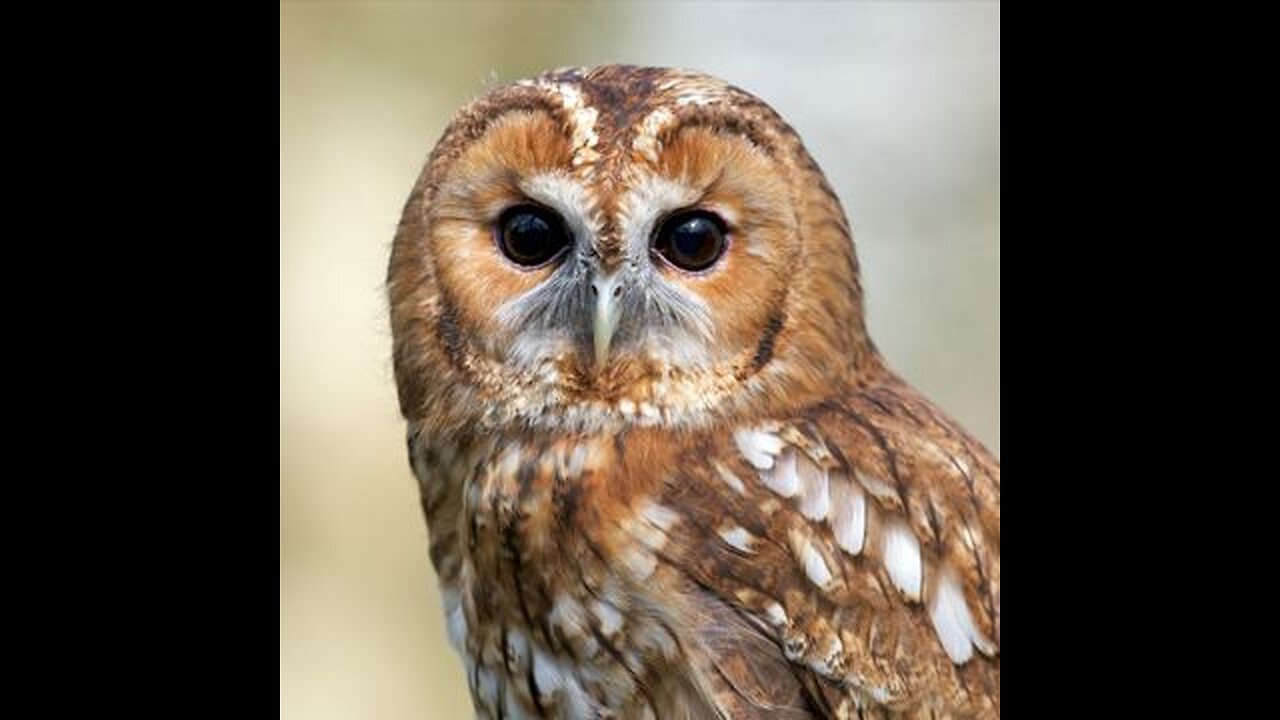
point(617, 291)
point(594, 290)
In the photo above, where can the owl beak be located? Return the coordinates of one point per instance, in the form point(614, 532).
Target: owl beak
point(607, 290)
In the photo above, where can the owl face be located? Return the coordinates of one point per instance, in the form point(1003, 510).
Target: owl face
point(618, 245)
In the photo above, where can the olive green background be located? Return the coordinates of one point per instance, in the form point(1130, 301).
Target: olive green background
point(898, 102)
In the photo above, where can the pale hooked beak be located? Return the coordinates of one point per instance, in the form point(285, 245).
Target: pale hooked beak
point(607, 290)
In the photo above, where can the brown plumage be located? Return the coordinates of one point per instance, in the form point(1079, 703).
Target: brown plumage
point(656, 489)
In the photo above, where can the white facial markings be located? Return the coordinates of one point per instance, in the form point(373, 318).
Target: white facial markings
point(570, 198)
point(543, 322)
point(540, 320)
point(582, 118)
point(651, 197)
point(662, 318)
point(679, 326)
point(646, 139)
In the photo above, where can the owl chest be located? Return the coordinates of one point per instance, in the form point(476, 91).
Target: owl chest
point(545, 596)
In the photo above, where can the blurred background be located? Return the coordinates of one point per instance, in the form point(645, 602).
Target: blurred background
point(899, 103)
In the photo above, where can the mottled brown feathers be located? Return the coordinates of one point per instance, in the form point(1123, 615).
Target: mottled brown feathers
point(737, 510)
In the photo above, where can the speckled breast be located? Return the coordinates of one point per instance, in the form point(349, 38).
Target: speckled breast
point(544, 550)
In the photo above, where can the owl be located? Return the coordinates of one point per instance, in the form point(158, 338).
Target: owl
point(664, 469)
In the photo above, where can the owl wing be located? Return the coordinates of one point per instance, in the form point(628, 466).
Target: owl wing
point(843, 563)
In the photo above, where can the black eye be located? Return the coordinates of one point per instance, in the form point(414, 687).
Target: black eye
point(691, 240)
point(530, 235)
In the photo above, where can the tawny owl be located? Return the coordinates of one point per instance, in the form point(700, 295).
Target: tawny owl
point(666, 474)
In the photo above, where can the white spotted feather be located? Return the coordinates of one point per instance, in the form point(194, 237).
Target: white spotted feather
point(758, 447)
point(902, 558)
point(815, 500)
point(782, 477)
point(848, 513)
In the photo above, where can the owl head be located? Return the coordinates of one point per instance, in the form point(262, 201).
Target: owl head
point(595, 248)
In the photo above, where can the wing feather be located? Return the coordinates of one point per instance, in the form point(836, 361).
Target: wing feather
point(865, 553)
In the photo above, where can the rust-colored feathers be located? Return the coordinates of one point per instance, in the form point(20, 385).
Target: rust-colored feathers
point(731, 508)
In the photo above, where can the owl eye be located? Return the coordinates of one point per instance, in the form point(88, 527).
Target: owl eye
point(692, 240)
point(530, 235)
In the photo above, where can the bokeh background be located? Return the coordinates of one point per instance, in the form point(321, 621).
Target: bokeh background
point(899, 102)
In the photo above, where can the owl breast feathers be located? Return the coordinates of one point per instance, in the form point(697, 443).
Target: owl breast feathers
point(665, 472)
